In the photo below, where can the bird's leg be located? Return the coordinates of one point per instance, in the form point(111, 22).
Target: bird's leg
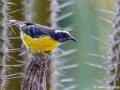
point(41, 51)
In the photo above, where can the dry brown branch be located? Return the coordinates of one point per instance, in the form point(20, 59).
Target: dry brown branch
point(35, 75)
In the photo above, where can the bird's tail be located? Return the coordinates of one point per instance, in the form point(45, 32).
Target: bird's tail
point(15, 22)
point(19, 24)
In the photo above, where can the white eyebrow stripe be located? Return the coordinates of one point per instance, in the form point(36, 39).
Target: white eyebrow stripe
point(58, 31)
point(66, 32)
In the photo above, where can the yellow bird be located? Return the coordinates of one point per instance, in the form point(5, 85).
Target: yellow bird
point(42, 38)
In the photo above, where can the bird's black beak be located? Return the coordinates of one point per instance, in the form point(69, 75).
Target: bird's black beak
point(73, 39)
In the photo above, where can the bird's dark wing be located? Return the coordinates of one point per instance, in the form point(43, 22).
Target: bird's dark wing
point(35, 31)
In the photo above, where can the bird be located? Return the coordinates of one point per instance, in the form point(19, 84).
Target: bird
point(41, 38)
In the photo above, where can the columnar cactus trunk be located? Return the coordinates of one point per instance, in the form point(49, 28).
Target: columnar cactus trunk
point(35, 75)
point(11, 68)
point(115, 59)
point(4, 47)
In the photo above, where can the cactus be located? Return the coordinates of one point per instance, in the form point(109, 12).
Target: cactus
point(4, 47)
point(11, 76)
point(56, 18)
point(114, 83)
point(111, 65)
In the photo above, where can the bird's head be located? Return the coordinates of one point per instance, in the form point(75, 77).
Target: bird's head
point(63, 36)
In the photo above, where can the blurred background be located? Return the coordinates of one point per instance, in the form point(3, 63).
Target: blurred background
point(90, 21)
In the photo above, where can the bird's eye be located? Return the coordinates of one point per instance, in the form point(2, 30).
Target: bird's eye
point(66, 34)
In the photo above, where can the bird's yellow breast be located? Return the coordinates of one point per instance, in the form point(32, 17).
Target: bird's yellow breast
point(45, 43)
